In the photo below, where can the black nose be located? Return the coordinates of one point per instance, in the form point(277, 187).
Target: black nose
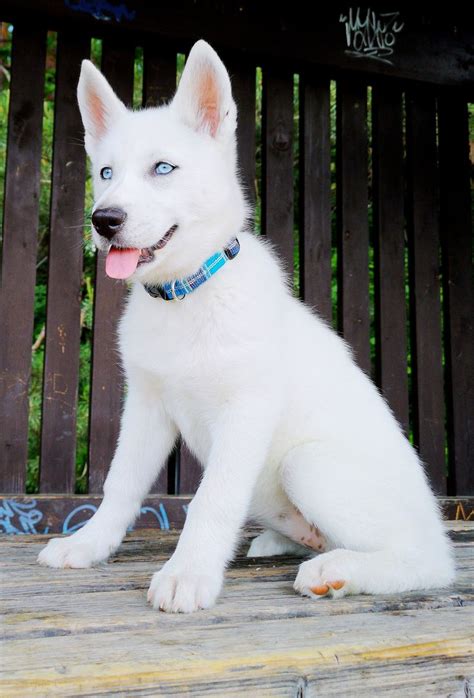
point(108, 221)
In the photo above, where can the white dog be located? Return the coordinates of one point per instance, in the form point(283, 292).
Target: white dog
point(290, 432)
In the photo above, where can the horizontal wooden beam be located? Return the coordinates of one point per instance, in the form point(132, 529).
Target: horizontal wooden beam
point(429, 46)
point(66, 513)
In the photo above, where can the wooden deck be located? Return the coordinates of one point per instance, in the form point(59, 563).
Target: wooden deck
point(90, 632)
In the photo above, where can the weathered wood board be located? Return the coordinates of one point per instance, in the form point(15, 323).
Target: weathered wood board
point(90, 632)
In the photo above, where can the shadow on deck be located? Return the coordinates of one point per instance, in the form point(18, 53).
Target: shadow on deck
point(90, 632)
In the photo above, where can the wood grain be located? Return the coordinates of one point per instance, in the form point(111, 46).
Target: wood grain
point(434, 46)
point(425, 268)
point(277, 162)
point(315, 194)
point(389, 245)
point(19, 250)
point(352, 215)
point(63, 326)
point(90, 632)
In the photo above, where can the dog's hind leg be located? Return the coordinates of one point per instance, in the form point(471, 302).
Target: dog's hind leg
point(381, 546)
point(271, 543)
point(146, 438)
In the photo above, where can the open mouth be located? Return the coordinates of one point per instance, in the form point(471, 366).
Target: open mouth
point(146, 253)
point(121, 262)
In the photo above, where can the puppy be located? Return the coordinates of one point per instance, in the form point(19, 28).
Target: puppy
point(290, 432)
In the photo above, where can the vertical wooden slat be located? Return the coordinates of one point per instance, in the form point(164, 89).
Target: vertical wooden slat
point(353, 231)
point(159, 77)
point(389, 242)
point(58, 435)
point(159, 85)
point(458, 292)
point(315, 194)
point(277, 162)
point(107, 384)
point(243, 89)
point(20, 229)
point(428, 424)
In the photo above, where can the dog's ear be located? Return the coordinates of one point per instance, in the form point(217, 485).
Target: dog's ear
point(204, 96)
point(98, 104)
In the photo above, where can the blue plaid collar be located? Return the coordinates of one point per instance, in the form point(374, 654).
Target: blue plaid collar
point(179, 289)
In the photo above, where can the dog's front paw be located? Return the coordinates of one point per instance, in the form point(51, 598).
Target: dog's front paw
point(182, 589)
point(75, 551)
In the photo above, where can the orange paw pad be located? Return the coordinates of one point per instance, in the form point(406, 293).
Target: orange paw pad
point(320, 591)
point(337, 584)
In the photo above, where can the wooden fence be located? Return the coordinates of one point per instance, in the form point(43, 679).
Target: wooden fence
point(399, 182)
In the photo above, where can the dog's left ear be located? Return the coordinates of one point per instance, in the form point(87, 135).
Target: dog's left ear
point(204, 96)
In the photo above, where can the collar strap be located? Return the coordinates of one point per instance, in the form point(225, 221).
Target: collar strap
point(179, 289)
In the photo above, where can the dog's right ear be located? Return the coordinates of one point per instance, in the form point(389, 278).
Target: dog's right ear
point(98, 104)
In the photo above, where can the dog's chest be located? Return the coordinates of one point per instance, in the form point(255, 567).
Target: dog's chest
point(189, 351)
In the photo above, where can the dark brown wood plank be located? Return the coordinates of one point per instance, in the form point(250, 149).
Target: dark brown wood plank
point(389, 243)
point(64, 513)
point(159, 76)
point(456, 238)
point(243, 88)
point(353, 230)
point(426, 342)
point(277, 162)
point(434, 43)
point(107, 384)
point(315, 194)
point(20, 229)
point(58, 435)
point(159, 86)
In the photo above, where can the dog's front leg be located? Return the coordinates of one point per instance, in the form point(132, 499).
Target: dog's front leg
point(146, 437)
point(192, 578)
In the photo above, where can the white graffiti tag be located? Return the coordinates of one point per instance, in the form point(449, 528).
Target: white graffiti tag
point(371, 35)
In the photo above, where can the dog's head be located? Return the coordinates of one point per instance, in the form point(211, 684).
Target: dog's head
point(167, 193)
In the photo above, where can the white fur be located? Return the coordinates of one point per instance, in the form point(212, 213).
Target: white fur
point(264, 393)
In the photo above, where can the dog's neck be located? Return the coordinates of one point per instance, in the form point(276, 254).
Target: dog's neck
point(178, 289)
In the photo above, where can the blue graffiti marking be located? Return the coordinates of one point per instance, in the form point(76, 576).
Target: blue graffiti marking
point(160, 515)
point(101, 9)
point(26, 513)
point(67, 527)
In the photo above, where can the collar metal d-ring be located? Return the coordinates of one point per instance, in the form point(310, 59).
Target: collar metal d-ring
point(173, 292)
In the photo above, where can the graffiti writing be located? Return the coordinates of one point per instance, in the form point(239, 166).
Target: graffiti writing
point(371, 35)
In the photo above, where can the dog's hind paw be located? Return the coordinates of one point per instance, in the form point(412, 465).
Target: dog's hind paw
point(329, 574)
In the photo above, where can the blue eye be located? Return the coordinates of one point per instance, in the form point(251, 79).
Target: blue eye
point(106, 173)
point(163, 168)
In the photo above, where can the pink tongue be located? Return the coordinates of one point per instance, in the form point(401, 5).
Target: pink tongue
point(121, 263)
